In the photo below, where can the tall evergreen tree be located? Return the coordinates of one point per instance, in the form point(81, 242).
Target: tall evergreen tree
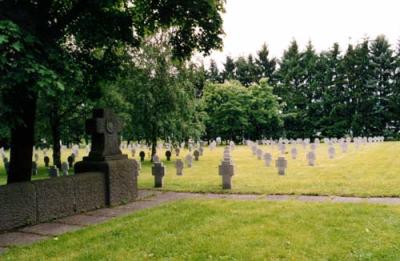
point(213, 72)
point(383, 66)
point(229, 69)
point(265, 66)
point(289, 89)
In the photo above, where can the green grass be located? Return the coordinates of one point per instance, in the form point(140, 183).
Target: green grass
point(373, 170)
point(233, 230)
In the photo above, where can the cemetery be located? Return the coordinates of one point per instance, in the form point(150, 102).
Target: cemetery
point(153, 130)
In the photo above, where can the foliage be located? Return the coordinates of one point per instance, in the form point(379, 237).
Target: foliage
point(332, 93)
point(236, 112)
point(157, 96)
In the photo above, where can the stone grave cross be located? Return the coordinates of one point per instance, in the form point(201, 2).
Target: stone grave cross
point(104, 128)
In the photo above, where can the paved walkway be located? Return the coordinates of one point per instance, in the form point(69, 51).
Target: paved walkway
point(149, 199)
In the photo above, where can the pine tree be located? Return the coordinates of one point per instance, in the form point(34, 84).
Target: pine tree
point(229, 69)
point(289, 89)
point(246, 70)
point(383, 66)
point(333, 121)
point(266, 67)
point(213, 72)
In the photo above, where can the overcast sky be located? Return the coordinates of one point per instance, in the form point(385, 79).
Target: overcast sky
point(250, 23)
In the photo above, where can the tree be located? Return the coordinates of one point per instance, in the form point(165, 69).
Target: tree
point(229, 69)
point(214, 74)
point(333, 120)
point(158, 97)
point(30, 30)
point(383, 65)
point(290, 77)
point(265, 66)
point(227, 107)
point(264, 118)
point(246, 70)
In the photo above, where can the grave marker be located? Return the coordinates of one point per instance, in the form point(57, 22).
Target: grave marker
point(281, 165)
point(179, 167)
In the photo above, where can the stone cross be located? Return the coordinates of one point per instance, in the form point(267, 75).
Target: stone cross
point(156, 159)
point(189, 160)
point(282, 147)
point(259, 154)
point(104, 128)
point(344, 146)
point(158, 171)
point(226, 171)
point(267, 159)
point(46, 161)
point(71, 160)
point(254, 149)
point(168, 155)
point(281, 165)
point(64, 168)
point(331, 152)
point(313, 146)
point(142, 154)
point(311, 158)
point(179, 167)
point(196, 155)
point(294, 153)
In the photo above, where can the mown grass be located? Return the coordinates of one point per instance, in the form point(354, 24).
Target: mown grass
point(373, 170)
point(233, 230)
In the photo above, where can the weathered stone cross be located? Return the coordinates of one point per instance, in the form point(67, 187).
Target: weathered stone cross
point(104, 128)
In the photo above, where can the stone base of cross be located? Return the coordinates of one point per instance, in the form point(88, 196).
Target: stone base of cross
point(105, 156)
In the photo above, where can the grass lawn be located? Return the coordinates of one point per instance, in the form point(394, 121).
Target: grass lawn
point(233, 230)
point(373, 170)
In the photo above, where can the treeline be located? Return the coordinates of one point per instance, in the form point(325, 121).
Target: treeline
point(333, 93)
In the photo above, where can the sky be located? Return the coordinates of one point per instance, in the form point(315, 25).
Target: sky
point(250, 23)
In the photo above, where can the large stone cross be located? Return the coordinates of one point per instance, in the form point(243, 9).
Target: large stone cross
point(104, 128)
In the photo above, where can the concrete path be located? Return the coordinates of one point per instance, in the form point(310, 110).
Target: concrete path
point(149, 199)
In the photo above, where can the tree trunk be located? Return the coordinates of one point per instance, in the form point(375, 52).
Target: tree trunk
point(153, 148)
point(22, 140)
point(55, 132)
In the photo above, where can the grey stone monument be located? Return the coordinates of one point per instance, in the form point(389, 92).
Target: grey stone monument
point(46, 161)
point(65, 168)
point(189, 160)
point(201, 150)
point(294, 153)
point(177, 151)
point(158, 171)
point(105, 156)
point(311, 157)
point(259, 153)
point(179, 167)
point(331, 152)
point(267, 159)
point(226, 171)
point(196, 155)
point(281, 165)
